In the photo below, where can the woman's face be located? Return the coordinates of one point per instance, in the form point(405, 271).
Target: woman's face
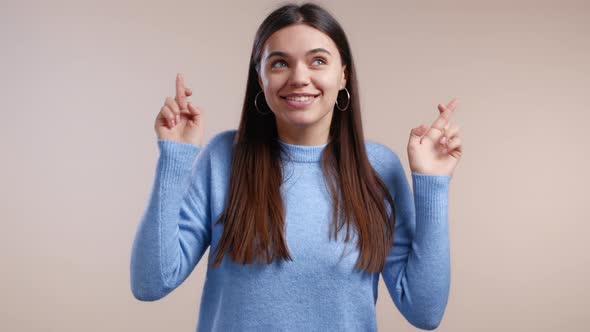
point(301, 73)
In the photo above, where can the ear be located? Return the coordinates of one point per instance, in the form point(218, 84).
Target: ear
point(259, 77)
point(344, 77)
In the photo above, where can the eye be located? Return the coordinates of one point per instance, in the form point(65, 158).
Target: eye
point(274, 64)
point(323, 61)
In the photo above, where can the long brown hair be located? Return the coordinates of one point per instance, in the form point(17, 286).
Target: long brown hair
point(253, 218)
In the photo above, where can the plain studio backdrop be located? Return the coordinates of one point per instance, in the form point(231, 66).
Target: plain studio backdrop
point(82, 82)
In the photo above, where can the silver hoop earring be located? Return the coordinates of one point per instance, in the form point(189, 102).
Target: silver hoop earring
point(347, 102)
point(256, 104)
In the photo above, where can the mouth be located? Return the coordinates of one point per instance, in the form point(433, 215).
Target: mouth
point(299, 101)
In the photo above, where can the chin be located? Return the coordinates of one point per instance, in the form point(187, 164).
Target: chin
point(301, 119)
point(300, 124)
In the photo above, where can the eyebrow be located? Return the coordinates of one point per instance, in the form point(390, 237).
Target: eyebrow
point(285, 54)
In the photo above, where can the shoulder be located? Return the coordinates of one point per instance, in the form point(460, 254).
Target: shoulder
point(381, 157)
point(221, 143)
point(387, 164)
point(217, 151)
point(224, 138)
point(215, 155)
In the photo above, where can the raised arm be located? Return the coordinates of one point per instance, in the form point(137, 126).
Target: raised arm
point(174, 231)
point(417, 269)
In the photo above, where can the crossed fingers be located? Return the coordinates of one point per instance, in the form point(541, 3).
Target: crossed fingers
point(442, 126)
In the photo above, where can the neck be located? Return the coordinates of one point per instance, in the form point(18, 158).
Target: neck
point(301, 153)
point(308, 136)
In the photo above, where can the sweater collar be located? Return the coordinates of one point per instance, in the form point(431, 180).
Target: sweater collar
point(302, 153)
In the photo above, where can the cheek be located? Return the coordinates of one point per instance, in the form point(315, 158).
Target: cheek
point(273, 85)
point(272, 89)
point(330, 81)
point(329, 87)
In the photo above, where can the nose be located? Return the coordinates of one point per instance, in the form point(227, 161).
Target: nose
point(299, 76)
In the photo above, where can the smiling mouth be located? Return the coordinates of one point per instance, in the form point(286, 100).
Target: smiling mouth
point(300, 98)
point(299, 102)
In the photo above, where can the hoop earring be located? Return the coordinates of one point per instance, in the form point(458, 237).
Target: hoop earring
point(256, 104)
point(347, 102)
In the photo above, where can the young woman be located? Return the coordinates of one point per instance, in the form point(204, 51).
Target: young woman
point(272, 198)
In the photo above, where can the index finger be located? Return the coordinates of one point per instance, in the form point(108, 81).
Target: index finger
point(180, 94)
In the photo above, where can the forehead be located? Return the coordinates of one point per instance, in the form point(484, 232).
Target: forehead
point(298, 39)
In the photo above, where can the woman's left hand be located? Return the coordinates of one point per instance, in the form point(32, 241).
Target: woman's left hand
point(436, 150)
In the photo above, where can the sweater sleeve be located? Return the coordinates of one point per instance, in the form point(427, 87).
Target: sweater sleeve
point(417, 269)
point(174, 230)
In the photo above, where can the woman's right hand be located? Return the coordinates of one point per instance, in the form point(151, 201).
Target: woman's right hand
point(179, 120)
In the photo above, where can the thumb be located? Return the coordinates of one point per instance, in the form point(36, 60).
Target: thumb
point(416, 133)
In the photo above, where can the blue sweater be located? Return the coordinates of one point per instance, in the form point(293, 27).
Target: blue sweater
point(319, 290)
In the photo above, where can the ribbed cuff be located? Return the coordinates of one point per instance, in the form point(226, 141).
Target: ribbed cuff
point(431, 196)
point(176, 160)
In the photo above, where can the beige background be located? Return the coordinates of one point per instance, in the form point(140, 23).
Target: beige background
point(82, 81)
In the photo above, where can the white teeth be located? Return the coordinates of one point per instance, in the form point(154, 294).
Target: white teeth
point(300, 98)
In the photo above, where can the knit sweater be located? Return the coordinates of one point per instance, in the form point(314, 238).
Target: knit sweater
point(320, 290)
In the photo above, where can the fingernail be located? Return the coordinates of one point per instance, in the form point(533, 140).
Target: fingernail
point(443, 139)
